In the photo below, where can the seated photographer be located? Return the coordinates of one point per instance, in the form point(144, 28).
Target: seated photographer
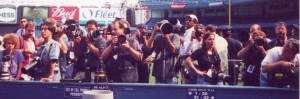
point(48, 53)
point(253, 53)
point(209, 63)
point(121, 55)
point(165, 46)
point(11, 59)
point(88, 47)
point(281, 61)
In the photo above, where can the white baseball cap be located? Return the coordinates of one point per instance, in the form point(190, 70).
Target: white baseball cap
point(192, 16)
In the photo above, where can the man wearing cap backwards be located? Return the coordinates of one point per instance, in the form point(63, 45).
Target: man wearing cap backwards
point(165, 46)
point(186, 41)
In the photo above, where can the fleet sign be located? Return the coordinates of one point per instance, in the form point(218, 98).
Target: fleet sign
point(64, 13)
point(8, 15)
point(101, 15)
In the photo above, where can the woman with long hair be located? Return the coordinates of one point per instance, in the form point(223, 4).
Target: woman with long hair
point(208, 60)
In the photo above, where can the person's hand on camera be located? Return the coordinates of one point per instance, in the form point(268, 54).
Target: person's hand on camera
point(260, 48)
point(88, 40)
point(251, 42)
point(137, 33)
point(125, 45)
point(114, 40)
point(288, 64)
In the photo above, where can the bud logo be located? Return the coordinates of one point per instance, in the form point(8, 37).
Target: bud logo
point(7, 14)
point(64, 12)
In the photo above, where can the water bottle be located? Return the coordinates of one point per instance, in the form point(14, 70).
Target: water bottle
point(56, 74)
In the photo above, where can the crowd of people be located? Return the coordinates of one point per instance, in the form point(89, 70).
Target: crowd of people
point(199, 53)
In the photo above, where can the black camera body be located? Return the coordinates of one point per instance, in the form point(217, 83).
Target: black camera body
point(6, 58)
point(259, 42)
point(121, 39)
point(72, 27)
point(31, 66)
point(219, 76)
point(198, 33)
point(282, 77)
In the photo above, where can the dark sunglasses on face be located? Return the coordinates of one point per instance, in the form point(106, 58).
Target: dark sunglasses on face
point(22, 21)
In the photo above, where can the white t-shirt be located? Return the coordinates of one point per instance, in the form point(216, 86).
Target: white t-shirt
point(185, 48)
point(221, 46)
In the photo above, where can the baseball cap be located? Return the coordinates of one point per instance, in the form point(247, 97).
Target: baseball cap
point(192, 16)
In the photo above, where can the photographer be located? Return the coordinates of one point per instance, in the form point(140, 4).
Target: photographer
point(88, 47)
point(209, 62)
point(252, 54)
point(122, 55)
point(48, 53)
point(281, 59)
point(166, 47)
point(141, 35)
point(13, 56)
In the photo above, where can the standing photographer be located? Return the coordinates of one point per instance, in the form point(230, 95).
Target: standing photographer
point(88, 47)
point(209, 62)
point(122, 55)
point(11, 55)
point(281, 61)
point(253, 53)
point(141, 35)
point(48, 53)
point(166, 47)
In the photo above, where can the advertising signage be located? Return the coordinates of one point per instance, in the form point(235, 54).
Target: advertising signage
point(64, 13)
point(8, 15)
point(36, 14)
point(101, 15)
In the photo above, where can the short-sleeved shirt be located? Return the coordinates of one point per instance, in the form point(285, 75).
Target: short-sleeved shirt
point(47, 52)
point(17, 58)
point(121, 64)
point(162, 53)
point(85, 53)
point(206, 61)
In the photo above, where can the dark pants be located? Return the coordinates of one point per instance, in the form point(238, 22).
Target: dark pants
point(144, 72)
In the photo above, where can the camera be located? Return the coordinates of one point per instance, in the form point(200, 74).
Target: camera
point(72, 27)
point(166, 28)
point(177, 27)
point(127, 31)
point(30, 66)
point(121, 39)
point(259, 42)
point(282, 77)
point(218, 76)
point(5, 68)
point(97, 33)
point(198, 33)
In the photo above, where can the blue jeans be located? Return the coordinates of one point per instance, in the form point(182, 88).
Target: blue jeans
point(168, 80)
point(203, 80)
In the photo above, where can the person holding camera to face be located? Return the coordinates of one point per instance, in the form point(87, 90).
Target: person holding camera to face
point(141, 35)
point(253, 53)
point(88, 47)
point(280, 67)
point(121, 55)
point(11, 59)
point(166, 47)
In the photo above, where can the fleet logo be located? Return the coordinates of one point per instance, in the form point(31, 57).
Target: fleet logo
point(8, 15)
point(64, 12)
point(98, 14)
